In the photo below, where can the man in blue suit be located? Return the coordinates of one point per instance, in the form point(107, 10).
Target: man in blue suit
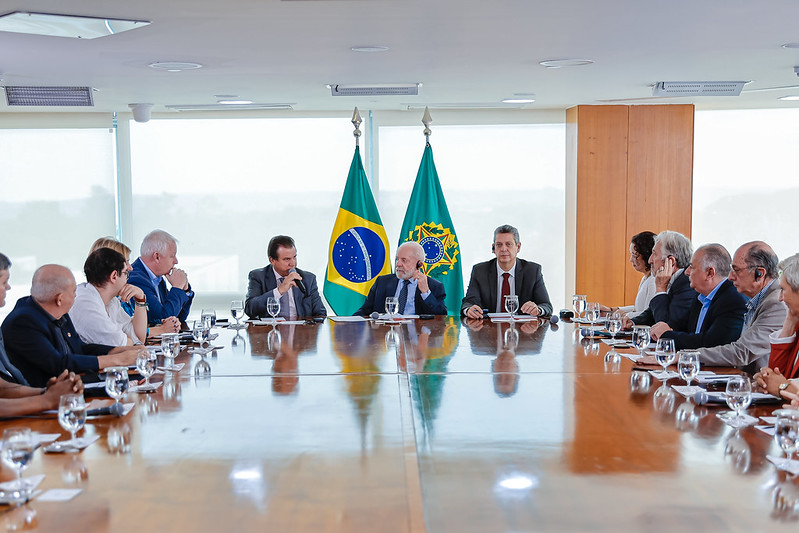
point(157, 260)
point(295, 289)
point(417, 294)
point(717, 314)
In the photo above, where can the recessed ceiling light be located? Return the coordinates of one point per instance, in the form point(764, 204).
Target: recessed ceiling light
point(371, 48)
point(234, 102)
point(518, 100)
point(790, 98)
point(174, 66)
point(560, 63)
point(66, 25)
point(791, 45)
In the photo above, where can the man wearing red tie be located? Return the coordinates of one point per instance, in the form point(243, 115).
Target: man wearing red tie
point(493, 280)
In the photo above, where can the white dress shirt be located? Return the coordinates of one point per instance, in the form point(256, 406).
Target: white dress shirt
point(97, 323)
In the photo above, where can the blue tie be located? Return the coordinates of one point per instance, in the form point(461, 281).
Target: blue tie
point(403, 297)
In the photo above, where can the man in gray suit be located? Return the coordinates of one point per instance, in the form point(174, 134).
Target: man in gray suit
point(754, 272)
point(295, 289)
point(506, 275)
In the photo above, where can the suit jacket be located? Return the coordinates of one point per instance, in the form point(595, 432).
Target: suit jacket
point(386, 285)
point(530, 286)
point(722, 324)
point(783, 357)
point(263, 282)
point(174, 302)
point(673, 308)
point(751, 351)
point(42, 347)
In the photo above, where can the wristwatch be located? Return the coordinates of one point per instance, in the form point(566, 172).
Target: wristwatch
point(784, 385)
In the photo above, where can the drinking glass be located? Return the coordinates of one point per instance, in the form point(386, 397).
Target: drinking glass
point(738, 395)
point(641, 338)
point(116, 382)
point(688, 365)
point(207, 323)
point(197, 332)
point(72, 414)
point(786, 431)
point(237, 310)
point(592, 312)
point(578, 303)
point(17, 451)
point(614, 324)
point(392, 306)
point(511, 305)
point(665, 354)
point(273, 307)
point(145, 365)
point(170, 345)
point(211, 313)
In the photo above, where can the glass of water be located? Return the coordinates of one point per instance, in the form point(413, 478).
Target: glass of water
point(641, 338)
point(665, 354)
point(688, 365)
point(273, 308)
point(145, 365)
point(237, 311)
point(578, 304)
point(592, 312)
point(116, 382)
point(170, 345)
point(17, 451)
point(738, 395)
point(786, 431)
point(511, 305)
point(211, 313)
point(72, 414)
point(392, 306)
point(614, 324)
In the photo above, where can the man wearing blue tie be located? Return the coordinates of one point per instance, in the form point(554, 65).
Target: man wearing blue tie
point(416, 293)
point(157, 260)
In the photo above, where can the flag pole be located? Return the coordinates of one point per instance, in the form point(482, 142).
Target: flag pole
point(427, 120)
point(356, 121)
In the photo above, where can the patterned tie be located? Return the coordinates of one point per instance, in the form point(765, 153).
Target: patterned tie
point(505, 292)
point(403, 297)
point(285, 310)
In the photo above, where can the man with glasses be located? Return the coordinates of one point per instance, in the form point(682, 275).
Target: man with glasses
point(97, 315)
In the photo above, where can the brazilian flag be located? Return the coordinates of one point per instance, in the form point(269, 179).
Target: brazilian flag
point(427, 221)
point(358, 246)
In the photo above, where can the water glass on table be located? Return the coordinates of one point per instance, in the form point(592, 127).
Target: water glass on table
point(116, 383)
point(786, 431)
point(614, 324)
point(72, 415)
point(273, 307)
point(511, 305)
point(641, 338)
point(392, 306)
point(738, 394)
point(578, 304)
point(688, 365)
point(665, 354)
point(237, 311)
point(17, 452)
point(145, 365)
point(170, 345)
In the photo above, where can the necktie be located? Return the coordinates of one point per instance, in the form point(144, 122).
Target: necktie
point(403, 297)
point(6, 367)
point(505, 292)
point(285, 310)
point(162, 292)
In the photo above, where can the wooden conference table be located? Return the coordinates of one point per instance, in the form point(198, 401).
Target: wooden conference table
point(431, 426)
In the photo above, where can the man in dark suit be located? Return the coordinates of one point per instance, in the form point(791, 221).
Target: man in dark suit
point(717, 315)
point(157, 260)
point(506, 275)
point(417, 294)
point(295, 289)
point(675, 296)
point(41, 340)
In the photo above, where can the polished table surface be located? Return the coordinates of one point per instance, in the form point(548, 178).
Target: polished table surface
point(429, 426)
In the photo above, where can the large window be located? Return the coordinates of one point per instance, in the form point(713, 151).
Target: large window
point(490, 175)
point(57, 197)
point(745, 184)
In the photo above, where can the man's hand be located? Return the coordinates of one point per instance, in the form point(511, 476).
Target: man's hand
point(131, 291)
point(530, 308)
point(658, 329)
point(66, 383)
point(626, 322)
point(421, 281)
point(177, 278)
point(288, 282)
point(474, 312)
point(664, 273)
point(770, 380)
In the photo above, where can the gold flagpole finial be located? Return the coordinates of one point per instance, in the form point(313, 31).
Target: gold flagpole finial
point(427, 120)
point(356, 121)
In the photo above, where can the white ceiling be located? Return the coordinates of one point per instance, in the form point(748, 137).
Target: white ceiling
point(465, 52)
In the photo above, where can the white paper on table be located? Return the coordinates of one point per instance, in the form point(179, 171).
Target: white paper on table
point(617, 342)
point(69, 445)
point(768, 430)
point(153, 387)
point(175, 368)
point(770, 420)
point(631, 356)
point(687, 391)
point(507, 319)
point(782, 463)
point(742, 422)
point(713, 378)
point(267, 322)
point(602, 320)
point(663, 376)
point(345, 318)
point(59, 495)
point(30, 483)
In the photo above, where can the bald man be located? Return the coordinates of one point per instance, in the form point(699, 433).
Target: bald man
point(40, 338)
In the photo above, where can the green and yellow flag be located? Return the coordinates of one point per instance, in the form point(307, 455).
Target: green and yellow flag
point(427, 221)
point(358, 246)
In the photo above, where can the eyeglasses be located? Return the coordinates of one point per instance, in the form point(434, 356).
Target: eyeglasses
point(124, 273)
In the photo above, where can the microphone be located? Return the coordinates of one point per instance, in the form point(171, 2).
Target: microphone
point(553, 319)
point(299, 283)
point(116, 409)
point(374, 315)
point(701, 397)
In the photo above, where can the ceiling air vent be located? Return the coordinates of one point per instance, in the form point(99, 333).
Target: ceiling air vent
point(49, 96)
point(698, 88)
point(399, 89)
